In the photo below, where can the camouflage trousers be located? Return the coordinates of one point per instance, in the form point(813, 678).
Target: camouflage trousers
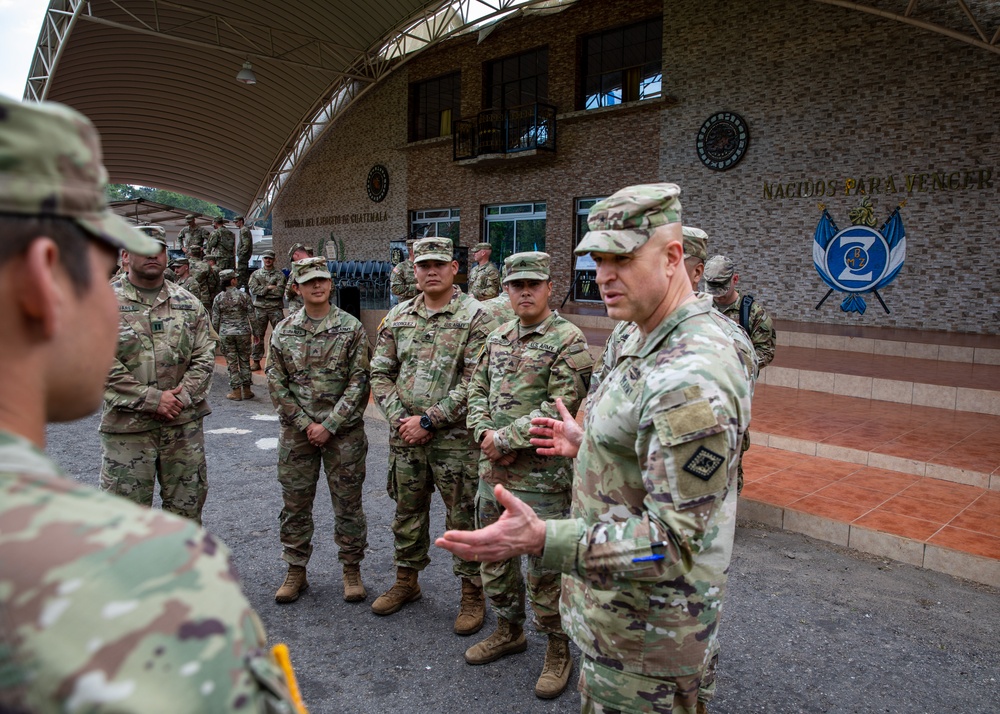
point(259, 320)
point(173, 455)
point(503, 582)
point(414, 472)
point(243, 273)
point(343, 461)
point(236, 350)
point(739, 469)
point(225, 263)
point(604, 690)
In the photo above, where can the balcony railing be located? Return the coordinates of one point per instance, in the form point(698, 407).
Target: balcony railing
point(531, 127)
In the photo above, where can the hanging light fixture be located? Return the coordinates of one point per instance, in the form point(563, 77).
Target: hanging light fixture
point(246, 75)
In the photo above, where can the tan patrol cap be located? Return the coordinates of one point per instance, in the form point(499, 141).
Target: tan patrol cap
point(531, 265)
point(695, 243)
point(719, 271)
point(309, 268)
point(624, 221)
point(433, 249)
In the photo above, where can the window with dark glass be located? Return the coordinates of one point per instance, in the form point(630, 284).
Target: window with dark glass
point(522, 79)
point(433, 106)
point(623, 65)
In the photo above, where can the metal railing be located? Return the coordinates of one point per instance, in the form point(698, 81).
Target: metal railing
point(494, 131)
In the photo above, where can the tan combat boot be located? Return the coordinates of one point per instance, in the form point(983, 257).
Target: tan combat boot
point(247, 393)
point(404, 590)
point(236, 395)
point(555, 672)
point(506, 639)
point(354, 589)
point(254, 365)
point(295, 583)
point(472, 609)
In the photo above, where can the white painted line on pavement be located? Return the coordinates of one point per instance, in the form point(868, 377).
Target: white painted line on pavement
point(267, 444)
point(228, 430)
point(265, 417)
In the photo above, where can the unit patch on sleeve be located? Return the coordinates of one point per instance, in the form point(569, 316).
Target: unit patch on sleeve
point(704, 463)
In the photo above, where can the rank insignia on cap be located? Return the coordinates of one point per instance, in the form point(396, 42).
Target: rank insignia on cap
point(704, 463)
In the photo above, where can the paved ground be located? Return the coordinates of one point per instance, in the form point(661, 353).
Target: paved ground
point(808, 627)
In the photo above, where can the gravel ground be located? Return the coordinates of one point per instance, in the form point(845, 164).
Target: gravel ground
point(808, 627)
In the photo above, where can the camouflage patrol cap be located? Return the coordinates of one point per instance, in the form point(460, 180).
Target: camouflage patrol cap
point(226, 275)
point(221, 220)
point(191, 217)
point(695, 243)
point(177, 262)
point(267, 254)
point(239, 218)
point(719, 271)
point(481, 246)
point(624, 221)
point(295, 247)
point(50, 165)
point(532, 265)
point(157, 233)
point(309, 268)
point(432, 249)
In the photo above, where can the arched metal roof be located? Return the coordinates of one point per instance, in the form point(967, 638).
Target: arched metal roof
point(157, 77)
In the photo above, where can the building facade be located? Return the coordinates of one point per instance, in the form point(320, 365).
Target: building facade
point(769, 116)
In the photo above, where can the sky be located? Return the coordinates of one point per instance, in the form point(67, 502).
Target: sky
point(20, 21)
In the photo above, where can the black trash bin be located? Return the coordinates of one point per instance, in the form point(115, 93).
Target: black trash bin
point(349, 300)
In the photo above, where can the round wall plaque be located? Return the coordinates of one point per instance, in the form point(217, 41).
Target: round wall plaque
point(378, 183)
point(722, 141)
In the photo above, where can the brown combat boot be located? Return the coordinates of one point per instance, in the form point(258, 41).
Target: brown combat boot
point(295, 583)
point(354, 589)
point(236, 395)
point(555, 672)
point(404, 590)
point(472, 609)
point(255, 365)
point(247, 392)
point(506, 639)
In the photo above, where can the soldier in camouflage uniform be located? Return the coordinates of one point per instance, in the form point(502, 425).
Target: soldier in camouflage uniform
point(223, 242)
point(201, 272)
point(267, 285)
point(244, 249)
point(212, 277)
point(402, 281)
point(499, 307)
point(646, 551)
point(426, 350)
point(182, 268)
point(528, 364)
point(484, 278)
point(94, 589)
point(192, 234)
point(231, 319)
point(720, 282)
point(296, 253)
point(318, 379)
point(157, 392)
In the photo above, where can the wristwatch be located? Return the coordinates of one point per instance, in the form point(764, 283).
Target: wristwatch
point(425, 423)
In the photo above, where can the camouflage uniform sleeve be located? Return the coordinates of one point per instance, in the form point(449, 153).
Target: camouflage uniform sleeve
point(479, 419)
point(289, 292)
point(256, 285)
point(288, 408)
point(357, 389)
point(568, 380)
point(279, 285)
point(217, 312)
point(454, 407)
point(198, 376)
point(123, 391)
point(397, 282)
point(384, 371)
point(492, 286)
point(762, 335)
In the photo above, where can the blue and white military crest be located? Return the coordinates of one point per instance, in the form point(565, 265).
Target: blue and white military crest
point(859, 259)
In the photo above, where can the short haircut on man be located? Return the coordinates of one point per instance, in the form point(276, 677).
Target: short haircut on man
point(20, 231)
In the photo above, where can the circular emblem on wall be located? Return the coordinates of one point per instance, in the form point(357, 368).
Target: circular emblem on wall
point(722, 141)
point(378, 183)
point(856, 259)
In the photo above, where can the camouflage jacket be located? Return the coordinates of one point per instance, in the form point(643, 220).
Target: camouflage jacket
point(294, 299)
point(499, 308)
point(223, 242)
point(187, 237)
point(195, 286)
point(318, 372)
point(423, 363)
point(231, 313)
point(244, 248)
point(94, 589)
point(160, 346)
point(266, 287)
point(517, 379)
point(612, 351)
point(403, 281)
point(484, 281)
point(761, 328)
point(201, 271)
point(646, 551)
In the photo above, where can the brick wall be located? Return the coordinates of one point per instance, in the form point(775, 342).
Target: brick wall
point(828, 93)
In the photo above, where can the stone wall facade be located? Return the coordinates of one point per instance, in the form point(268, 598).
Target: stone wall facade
point(836, 101)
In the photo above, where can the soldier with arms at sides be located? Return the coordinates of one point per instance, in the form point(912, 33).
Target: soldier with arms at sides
point(402, 280)
point(244, 249)
point(318, 379)
point(267, 285)
point(528, 364)
point(646, 550)
point(107, 607)
point(484, 278)
point(192, 234)
point(231, 320)
point(426, 351)
point(223, 242)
